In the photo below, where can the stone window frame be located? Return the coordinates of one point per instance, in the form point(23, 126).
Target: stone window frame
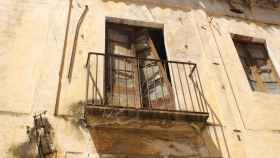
point(253, 68)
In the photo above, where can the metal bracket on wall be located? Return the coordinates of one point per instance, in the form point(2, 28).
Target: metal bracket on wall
point(43, 135)
point(75, 43)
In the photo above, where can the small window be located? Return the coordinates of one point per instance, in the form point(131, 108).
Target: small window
point(259, 69)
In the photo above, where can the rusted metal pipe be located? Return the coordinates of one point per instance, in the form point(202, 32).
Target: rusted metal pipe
point(72, 60)
point(63, 58)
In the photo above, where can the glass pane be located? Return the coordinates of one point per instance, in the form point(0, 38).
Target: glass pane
point(266, 77)
point(154, 89)
point(151, 71)
point(273, 87)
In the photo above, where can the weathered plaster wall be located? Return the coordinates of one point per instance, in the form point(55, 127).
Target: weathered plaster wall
point(31, 39)
point(258, 111)
point(31, 42)
point(32, 36)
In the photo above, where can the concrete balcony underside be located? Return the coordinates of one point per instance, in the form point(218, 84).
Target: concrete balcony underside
point(149, 133)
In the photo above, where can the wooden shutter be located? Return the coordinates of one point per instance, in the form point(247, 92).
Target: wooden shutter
point(121, 72)
point(155, 87)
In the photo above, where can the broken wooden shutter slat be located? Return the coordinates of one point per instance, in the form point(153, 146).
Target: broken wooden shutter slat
point(157, 94)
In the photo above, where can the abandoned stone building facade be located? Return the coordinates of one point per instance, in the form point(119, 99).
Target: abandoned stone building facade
point(139, 78)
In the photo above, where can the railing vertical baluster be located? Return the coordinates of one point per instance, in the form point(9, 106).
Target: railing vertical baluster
point(134, 92)
point(111, 78)
point(184, 97)
point(164, 62)
point(198, 89)
point(96, 75)
point(118, 80)
point(93, 87)
point(87, 83)
point(188, 84)
point(126, 78)
point(202, 93)
point(92, 80)
point(139, 81)
point(148, 84)
point(174, 81)
point(197, 100)
point(154, 82)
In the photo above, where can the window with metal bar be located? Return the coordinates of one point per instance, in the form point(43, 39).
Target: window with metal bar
point(259, 69)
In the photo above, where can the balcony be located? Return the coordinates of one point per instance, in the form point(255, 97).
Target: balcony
point(134, 88)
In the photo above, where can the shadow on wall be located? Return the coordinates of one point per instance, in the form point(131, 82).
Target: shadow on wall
point(27, 148)
point(23, 150)
point(119, 142)
point(214, 132)
point(40, 139)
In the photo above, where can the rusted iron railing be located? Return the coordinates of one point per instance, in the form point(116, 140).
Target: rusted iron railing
point(141, 83)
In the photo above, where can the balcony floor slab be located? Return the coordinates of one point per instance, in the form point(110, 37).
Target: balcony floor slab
point(119, 117)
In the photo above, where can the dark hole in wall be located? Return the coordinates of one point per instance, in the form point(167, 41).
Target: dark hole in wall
point(158, 39)
point(236, 10)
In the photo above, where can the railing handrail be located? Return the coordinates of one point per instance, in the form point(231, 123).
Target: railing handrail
point(139, 58)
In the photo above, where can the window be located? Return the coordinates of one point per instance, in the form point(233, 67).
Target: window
point(136, 75)
point(259, 69)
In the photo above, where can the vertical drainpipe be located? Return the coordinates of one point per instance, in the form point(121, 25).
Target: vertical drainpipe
point(63, 58)
point(72, 59)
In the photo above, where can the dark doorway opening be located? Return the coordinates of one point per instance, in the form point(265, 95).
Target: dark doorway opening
point(137, 71)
